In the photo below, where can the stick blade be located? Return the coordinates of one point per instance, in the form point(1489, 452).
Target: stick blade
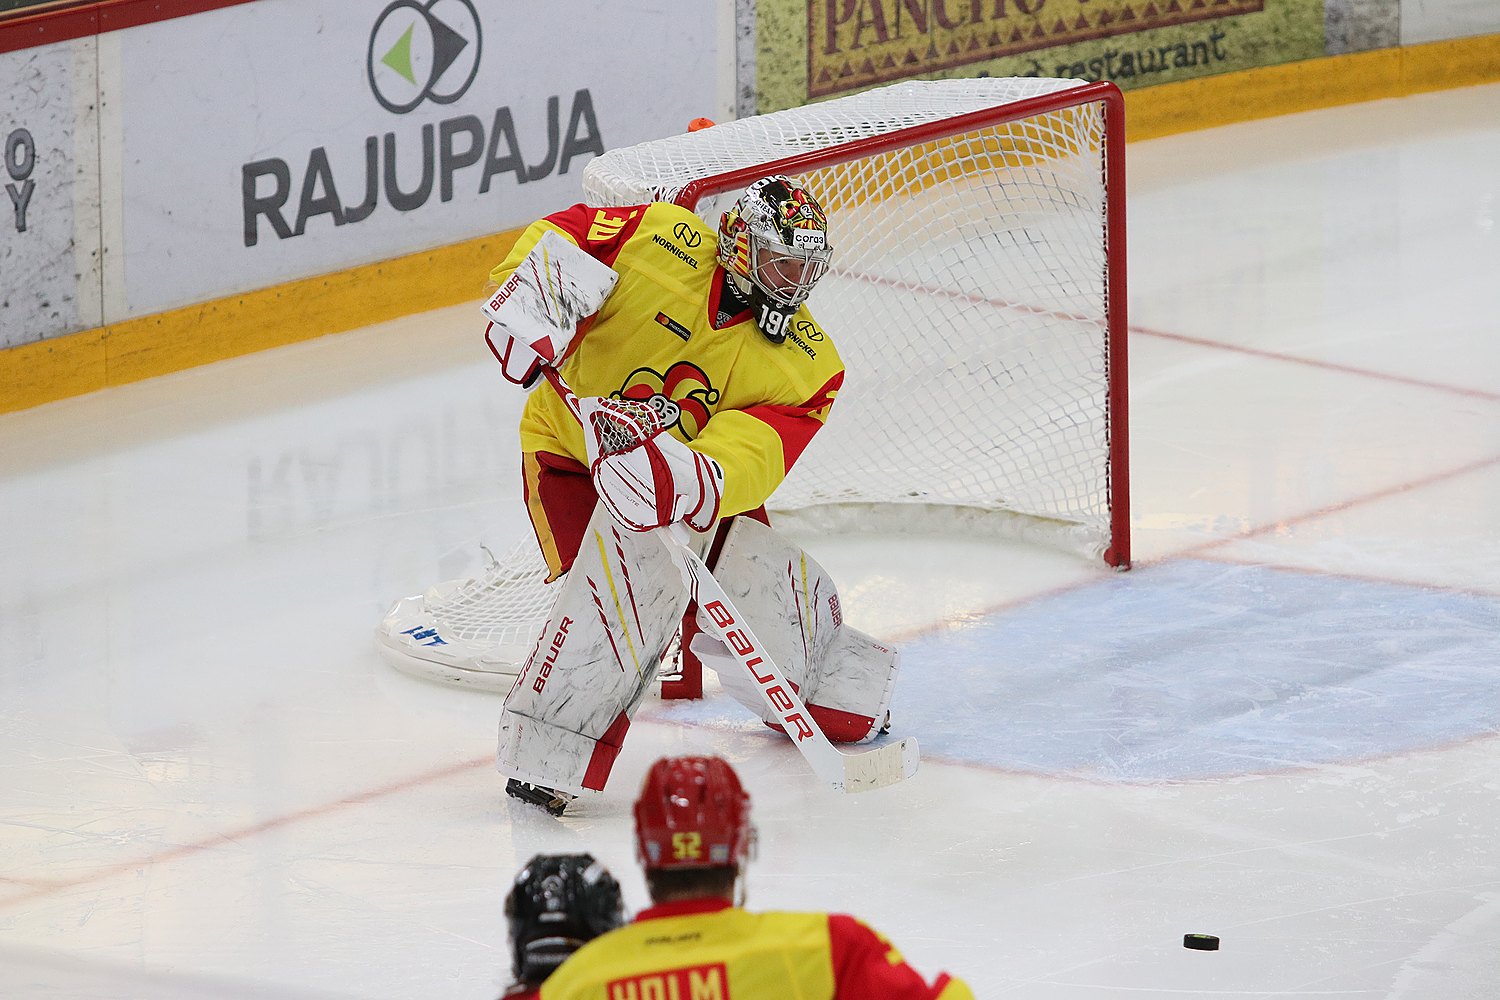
point(880, 767)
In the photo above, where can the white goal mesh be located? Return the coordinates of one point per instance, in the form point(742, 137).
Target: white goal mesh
point(976, 294)
point(976, 297)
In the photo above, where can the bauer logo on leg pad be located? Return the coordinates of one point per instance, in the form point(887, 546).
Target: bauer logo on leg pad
point(556, 647)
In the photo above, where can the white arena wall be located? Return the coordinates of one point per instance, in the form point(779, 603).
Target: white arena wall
point(231, 175)
point(50, 244)
point(241, 147)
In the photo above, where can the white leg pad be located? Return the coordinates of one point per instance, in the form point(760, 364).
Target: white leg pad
point(543, 754)
point(857, 676)
point(845, 677)
point(565, 717)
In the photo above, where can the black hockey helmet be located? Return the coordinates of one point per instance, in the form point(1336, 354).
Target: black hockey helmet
point(558, 902)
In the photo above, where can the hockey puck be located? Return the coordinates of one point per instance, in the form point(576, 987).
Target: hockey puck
point(1200, 942)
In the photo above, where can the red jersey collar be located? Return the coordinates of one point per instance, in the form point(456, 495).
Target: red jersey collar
point(684, 907)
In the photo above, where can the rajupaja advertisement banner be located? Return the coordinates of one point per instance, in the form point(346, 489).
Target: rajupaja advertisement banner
point(337, 132)
point(248, 144)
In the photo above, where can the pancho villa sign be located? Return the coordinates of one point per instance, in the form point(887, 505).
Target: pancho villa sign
point(856, 43)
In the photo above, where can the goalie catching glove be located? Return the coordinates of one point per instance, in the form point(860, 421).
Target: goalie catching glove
point(644, 476)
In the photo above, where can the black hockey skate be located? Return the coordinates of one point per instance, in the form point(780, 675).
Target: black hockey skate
point(549, 799)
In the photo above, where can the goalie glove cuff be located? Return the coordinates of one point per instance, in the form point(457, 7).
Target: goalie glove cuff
point(658, 482)
point(518, 363)
point(711, 476)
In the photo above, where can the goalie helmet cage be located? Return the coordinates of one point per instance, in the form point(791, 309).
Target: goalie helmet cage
point(977, 298)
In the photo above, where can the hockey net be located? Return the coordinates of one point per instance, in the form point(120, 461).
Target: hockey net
point(977, 298)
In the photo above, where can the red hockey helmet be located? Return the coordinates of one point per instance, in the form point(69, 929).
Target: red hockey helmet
point(692, 813)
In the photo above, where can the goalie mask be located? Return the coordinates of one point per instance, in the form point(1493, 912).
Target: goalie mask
point(558, 902)
point(773, 242)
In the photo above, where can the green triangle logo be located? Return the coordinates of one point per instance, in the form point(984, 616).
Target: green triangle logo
point(399, 58)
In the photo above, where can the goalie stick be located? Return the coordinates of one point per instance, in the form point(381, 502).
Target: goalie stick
point(845, 772)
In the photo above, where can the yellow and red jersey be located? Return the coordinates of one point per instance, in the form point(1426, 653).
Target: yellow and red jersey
point(712, 950)
point(666, 337)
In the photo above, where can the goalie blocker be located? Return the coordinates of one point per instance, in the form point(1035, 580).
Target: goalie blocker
point(566, 717)
point(534, 316)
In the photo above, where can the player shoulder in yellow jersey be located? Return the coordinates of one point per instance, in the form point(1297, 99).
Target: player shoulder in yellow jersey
point(693, 840)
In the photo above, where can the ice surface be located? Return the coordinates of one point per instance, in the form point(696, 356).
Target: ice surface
point(1279, 728)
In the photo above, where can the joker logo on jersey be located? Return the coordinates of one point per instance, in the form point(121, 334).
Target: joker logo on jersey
point(683, 396)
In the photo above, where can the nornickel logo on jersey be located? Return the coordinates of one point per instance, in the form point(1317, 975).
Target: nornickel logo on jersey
point(802, 334)
point(675, 251)
point(686, 235)
point(702, 982)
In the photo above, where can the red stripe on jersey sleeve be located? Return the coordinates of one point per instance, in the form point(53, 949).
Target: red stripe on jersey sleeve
point(866, 965)
point(601, 232)
point(796, 425)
